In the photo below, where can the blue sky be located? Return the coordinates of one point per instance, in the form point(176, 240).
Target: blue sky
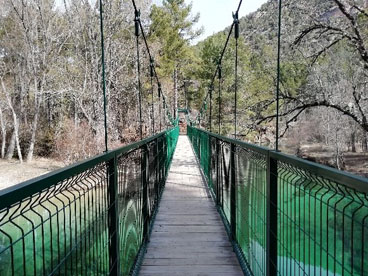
point(216, 15)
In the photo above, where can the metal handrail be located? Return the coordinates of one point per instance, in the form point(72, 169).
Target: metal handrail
point(359, 183)
point(285, 215)
point(344, 178)
point(90, 218)
point(15, 193)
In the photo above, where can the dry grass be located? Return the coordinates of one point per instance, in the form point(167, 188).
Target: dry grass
point(12, 172)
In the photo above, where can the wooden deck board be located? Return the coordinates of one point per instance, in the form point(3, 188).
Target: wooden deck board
point(188, 237)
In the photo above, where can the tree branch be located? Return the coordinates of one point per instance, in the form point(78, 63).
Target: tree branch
point(324, 103)
point(357, 101)
point(359, 43)
point(360, 10)
point(356, 39)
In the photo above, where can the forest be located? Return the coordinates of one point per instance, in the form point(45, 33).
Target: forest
point(51, 98)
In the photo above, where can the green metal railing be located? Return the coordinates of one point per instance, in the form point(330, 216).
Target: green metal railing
point(286, 216)
point(91, 218)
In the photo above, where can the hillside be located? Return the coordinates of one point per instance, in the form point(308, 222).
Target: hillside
point(323, 62)
point(261, 26)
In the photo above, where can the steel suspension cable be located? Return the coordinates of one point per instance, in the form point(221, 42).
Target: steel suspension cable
point(159, 103)
point(168, 113)
point(152, 107)
point(278, 77)
point(221, 56)
point(103, 74)
point(136, 25)
point(219, 60)
point(210, 118)
point(219, 98)
point(236, 24)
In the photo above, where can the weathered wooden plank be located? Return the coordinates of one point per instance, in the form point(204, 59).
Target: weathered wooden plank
point(197, 206)
point(188, 229)
point(191, 243)
point(194, 221)
point(207, 259)
point(191, 231)
point(187, 254)
point(197, 217)
point(179, 210)
point(181, 240)
point(163, 273)
point(188, 237)
point(192, 268)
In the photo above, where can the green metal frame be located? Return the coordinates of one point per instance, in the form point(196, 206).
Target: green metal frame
point(303, 217)
point(17, 192)
point(91, 217)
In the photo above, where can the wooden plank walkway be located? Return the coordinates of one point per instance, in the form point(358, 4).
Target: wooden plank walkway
point(188, 237)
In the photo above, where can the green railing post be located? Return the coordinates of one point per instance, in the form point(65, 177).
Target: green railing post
point(209, 160)
point(199, 146)
point(217, 171)
point(233, 192)
point(78, 210)
point(157, 172)
point(271, 245)
point(165, 155)
point(113, 224)
point(332, 198)
point(162, 162)
point(144, 176)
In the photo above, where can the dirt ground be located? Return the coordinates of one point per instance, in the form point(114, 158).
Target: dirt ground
point(12, 172)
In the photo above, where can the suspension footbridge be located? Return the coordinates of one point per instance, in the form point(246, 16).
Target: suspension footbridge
point(198, 203)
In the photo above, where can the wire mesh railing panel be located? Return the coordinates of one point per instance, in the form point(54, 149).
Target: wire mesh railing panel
point(59, 230)
point(213, 166)
point(205, 156)
point(286, 216)
point(130, 198)
point(251, 207)
point(224, 178)
point(322, 224)
point(171, 140)
point(161, 161)
point(91, 218)
point(152, 177)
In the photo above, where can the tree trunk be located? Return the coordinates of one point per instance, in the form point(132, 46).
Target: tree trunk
point(16, 130)
point(15, 122)
point(11, 147)
point(23, 91)
point(340, 164)
point(33, 137)
point(3, 134)
point(75, 115)
point(352, 137)
point(39, 87)
point(365, 142)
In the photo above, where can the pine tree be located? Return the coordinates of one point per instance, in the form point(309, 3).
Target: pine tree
point(173, 27)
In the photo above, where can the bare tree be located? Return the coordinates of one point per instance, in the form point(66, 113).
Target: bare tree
point(336, 62)
point(15, 118)
point(3, 131)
